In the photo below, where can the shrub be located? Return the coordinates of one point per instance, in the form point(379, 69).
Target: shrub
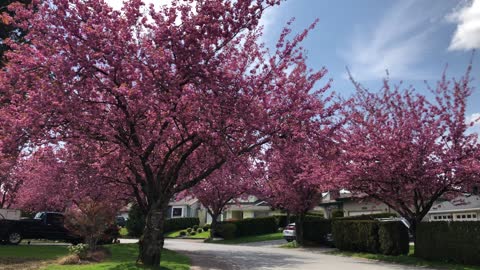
point(226, 230)
point(189, 230)
point(182, 233)
point(393, 237)
point(199, 230)
point(206, 227)
point(337, 214)
point(456, 242)
point(359, 235)
point(176, 224)
point(80, 250)
point(195, 227)
point(316, 231)
point(193, 233)
point(255, 226)
point(135, 222)
point(368, 217)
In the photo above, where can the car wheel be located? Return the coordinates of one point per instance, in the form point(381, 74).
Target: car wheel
point(14, 238)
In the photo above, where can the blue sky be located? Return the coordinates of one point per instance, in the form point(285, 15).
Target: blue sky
point(414, 40)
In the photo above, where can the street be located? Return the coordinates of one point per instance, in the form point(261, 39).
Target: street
point(232, 257)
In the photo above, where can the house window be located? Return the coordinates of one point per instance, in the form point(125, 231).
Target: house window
point(177, 212)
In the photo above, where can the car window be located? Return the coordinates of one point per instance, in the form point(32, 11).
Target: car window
point(55, 219)
point(39, 215)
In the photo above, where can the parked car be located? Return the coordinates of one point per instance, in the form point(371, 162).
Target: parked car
point(289, 232)
point(45, 225)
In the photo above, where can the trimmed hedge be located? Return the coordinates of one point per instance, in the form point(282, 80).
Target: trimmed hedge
point(135, 222)
point(393, 237)
point(368, 217)
point(226, 230)
point(389, 238)
point(457, 242)
point(282, 219)
point(176, 224)
point(254, 226)
point(358, 235)
point(316, 231)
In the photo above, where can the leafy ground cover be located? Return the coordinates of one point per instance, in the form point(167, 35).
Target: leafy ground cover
point(250, 239)
point(44, 257)
point(202, 235)
point(406, 260)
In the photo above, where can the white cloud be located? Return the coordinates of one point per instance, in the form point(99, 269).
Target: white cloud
point(467, 34)
point(474, 117)
point(118, 4)
point(397, 42)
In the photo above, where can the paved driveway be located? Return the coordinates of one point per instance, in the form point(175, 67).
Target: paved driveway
point(217, 256)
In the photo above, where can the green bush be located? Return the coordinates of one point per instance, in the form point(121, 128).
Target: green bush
point(254, 226)
point(189, 230)
point(195, 227)
point(456, 242)
point(393, 237)
point(337, 214)
point(206, 227)
point(199, 230)
point(368, 217)
point(359, 235)
point(176, 224)
point(316, 231)
point(182, 233)
point(135, 222)
point(193, 233)
point(226, 230)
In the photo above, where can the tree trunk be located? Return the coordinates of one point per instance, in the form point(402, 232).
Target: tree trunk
point(299, 228)
point(152, 240)
point(213, 226)
point(287, 220)
point(413, 231)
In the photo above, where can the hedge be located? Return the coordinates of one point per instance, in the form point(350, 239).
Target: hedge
point(389, 238)
point(358, 235)
point(254, 226)
point(316, 231)
point(282, 219)
point(226, 230)
point(456, 242)
point(393, 237)
point(176, 224)
point(368, 217)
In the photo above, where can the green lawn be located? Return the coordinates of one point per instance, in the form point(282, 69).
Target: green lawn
point(33, 252)
point(251, 239)
point(202, 235)
point(406, 259)
point(123, 257)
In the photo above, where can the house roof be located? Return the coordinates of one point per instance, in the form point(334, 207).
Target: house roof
point(187, 201)
point(461, 203)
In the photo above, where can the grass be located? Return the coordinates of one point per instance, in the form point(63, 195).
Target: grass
point(406, 260)
point(123, 257)
point(123, 232)
point(202, 235)
point(292, 244)
point(251, 239)
point(33, 252)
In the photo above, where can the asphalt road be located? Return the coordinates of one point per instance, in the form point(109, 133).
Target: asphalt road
point(258, 256)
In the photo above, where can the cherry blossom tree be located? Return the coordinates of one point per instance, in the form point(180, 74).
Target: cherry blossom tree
point(223, 187)
point(165, 96)
point(300, 166)
point(406, 151)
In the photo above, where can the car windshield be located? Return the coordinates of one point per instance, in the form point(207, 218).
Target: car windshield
point(39, 215)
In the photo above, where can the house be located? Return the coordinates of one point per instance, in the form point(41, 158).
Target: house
point(462, 208)
point(187, 207)
point(350, 205)
point(250, 207)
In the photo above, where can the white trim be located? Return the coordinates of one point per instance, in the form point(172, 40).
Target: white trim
point(178, 207)
point(453, 211)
